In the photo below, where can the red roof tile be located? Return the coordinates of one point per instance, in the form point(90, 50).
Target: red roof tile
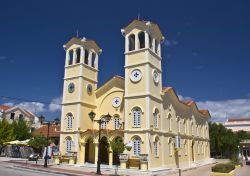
point(4, 107)
point(54, 131)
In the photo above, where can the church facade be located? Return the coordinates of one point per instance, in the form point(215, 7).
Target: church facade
point(146, 116)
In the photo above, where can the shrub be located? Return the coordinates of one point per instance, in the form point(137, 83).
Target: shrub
point(223, 168)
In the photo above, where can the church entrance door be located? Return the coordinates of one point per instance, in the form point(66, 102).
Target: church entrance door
point(104, 150)
point(90, 151)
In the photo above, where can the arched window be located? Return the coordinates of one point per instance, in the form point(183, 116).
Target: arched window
point(185, 147)
point(185, 126)
point(156, 147)
point(86, 57)
point(104, 124)
point(71, 53)
point(116, 121)
point(156, 46)
point(78, 55)
point(131, 39)
point(178, 124)
point(156, 116)
point(93, 60)
point(68, 144)
point(141, 37)
point(170, 147)
point(136, 146)
point(169, 122)
point(69, 120)
point(150, 41)
point(136, 117)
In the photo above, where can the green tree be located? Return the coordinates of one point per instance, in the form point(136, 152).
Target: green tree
point(6, 132)
point(21, 130)
point(38, 143)
point(117, 147)
point(224, 142)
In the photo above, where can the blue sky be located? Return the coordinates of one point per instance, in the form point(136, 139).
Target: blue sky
point(206, 54)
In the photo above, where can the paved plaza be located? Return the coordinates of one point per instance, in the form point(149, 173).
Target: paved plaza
point(22, 167)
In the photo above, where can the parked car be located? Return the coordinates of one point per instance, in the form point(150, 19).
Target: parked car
point(33, 157)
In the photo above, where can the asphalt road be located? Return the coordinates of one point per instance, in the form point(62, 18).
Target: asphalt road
point(6, 170)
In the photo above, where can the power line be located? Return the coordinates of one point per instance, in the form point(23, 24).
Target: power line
point(28, 100)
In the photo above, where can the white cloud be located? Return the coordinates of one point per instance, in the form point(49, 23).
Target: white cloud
point(55, 104)
point(34, 107)
point(221, 110)
point(182, 98)
point(9, 104)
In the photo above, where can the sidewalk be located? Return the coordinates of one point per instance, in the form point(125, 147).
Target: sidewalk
point(90, 169)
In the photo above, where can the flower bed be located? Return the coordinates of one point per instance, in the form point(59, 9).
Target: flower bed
point(226, 169)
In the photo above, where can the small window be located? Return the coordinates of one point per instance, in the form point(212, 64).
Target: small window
point(71, 53)
point(142, 39)
point(169, 122)
point(131, 39)
point(156, 116)
point(116, 121)
point(12, 116)
point(137, 117)
point(104, 124)
point(21, 117)
point(68, 144)
point(78, 55)
point(86, 57)
point(137, 146)
point(69, 120)
point(179, 124)
point(93, 60)
point(156, 147)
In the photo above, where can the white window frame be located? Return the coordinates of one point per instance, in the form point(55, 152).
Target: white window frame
point(156, 147)
point(156, 120)
point(104, 124)
point(68, 144)
point(137, 117)
point(117, 122)
point(136, 146)
point(169, 122)
point(69, 121)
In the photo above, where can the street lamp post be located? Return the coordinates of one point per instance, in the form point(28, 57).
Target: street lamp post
point(48, 123)
point(104, 118)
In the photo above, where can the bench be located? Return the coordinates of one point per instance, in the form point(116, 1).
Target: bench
point(64, 159)
point(134, 163)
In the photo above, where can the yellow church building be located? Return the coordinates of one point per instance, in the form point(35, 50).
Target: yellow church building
point(146, 116)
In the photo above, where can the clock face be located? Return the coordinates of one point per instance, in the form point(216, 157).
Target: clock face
point(89, 88)
point(116, 102)
point(71, 87)
point(156, 76)
point(136, 75)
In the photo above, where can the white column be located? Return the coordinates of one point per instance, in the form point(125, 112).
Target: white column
point(90, 58)
point(74, 56)
point(126, 44)
point(136, 42)
point(159, 49)
point(146, 40)
point(96, 153)
point(96, 61)
point(82, 55)
point(67, 58)
point(153, 44)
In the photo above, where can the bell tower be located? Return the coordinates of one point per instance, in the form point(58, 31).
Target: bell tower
point(143, 83)
point(80, 82)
